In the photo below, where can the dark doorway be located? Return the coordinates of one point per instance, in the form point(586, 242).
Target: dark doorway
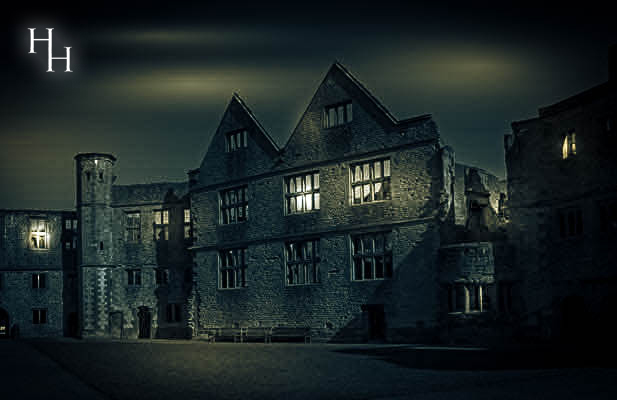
point(115, 325)
point(376, 321)
point(573, 319)
point(4, 324)
point(145, 320)
point(72, 325)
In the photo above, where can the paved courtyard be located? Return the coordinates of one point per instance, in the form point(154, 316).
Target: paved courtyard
point(197, 370)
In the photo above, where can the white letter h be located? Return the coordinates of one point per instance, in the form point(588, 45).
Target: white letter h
point(49, 47)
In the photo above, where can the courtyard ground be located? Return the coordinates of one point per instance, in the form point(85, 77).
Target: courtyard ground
point(73, 369)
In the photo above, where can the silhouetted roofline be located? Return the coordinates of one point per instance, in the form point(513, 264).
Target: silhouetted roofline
point(106, 155)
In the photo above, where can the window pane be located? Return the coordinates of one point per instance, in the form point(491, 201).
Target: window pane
point(378, 191)
point(386, 190)
point(377, 169)
point(349, 112)
point(316, 181)
point(386, 168)
point(341, 114)
point(307, 181)
point(316, 204)
point(244, 141)
point(367, 193)
point(332, 117)
point(166, 217)
point(366, 175)
point(357, 268)
point(157, 217)
point(299, 186)
point(379, 267)
point(299, 203)
point(308, 201)
point(368, 268)
point(357, 194)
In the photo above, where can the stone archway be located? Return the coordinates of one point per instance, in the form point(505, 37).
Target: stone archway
point(4, 323)
point(145, 322)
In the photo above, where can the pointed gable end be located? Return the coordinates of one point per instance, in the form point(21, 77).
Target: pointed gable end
point(344, 118)
point(240, 147)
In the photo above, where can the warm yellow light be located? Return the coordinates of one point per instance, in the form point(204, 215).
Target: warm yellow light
point(564, 148)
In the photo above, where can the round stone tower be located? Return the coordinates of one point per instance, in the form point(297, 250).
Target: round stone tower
point(95, 175)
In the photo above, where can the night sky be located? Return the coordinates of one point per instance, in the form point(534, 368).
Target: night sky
point(151, 82)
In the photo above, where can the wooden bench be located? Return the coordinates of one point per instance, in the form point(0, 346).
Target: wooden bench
point(289, 334)
point(255, 334)
point(227, 334)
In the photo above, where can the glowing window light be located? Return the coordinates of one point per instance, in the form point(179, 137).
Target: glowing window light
point(568, 147)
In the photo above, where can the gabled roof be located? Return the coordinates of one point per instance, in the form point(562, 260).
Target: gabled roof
point(365, 94)
point(248, 111)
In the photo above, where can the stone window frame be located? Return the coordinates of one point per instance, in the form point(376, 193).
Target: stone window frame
point(358, 183)
point(70, 224)
point(39, 280)
point(570, 222)
point(295, 197)
point(568, 145)
point(232, 267)
point(233, 202)
point(373, 254)
point(133, 228)
point(39, 236)
point(134, 277)
point(236, 140)
point(161, 276)
point(39, 316)
point(160, 224)
point(338, 114)
point(188, 232)
point(173, 312)
point(302, 262)
point(475, 297)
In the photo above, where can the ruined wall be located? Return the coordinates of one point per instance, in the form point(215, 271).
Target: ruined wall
point(557, 209)
point(19, 260)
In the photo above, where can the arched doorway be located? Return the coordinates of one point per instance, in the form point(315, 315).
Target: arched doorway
point(145, 321)
point(4, 324)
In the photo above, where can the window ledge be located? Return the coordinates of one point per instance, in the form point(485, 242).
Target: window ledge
point(371, 202)
point(371, 280)
point(232, 223)
point(303, 213)
point(232, 289)
point(287, 285)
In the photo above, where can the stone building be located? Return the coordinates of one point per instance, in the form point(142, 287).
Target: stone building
point(561, 280)
point(362, 227)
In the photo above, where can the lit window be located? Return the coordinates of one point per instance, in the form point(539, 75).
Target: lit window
point(161, 225)
point(372, 256)
point(570, 222)
point(235, 141)
point(162, 276)
point(370, 181)
point(38, 281)
point(232, 271)
point(234, 205)
point(568, 148)
point(133, 227)
point(187, 223)
point(302, 260)
point(134, 277)
point(337, 114)
point(174, 312)
point(38, 233)
point(302, 193)
point(39, 316)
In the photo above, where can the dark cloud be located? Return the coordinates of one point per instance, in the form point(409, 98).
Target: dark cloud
point(152, 81)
